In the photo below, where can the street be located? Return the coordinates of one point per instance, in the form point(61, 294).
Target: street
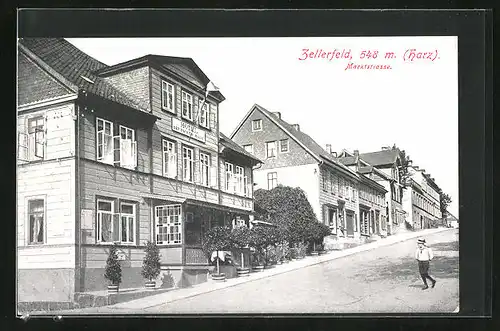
point(383, 280)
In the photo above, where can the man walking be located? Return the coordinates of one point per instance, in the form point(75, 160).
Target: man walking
point(424, 255)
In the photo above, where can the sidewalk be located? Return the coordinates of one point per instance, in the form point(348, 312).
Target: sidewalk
point(210, 286)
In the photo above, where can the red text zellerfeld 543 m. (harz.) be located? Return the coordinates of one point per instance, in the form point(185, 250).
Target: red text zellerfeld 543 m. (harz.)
point(368, 58)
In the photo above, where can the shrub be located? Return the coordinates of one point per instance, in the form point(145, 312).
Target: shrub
point(151, 263)
point(217, 239)
point(113, 271)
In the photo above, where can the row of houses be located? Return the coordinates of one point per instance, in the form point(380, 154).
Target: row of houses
point(132, 152)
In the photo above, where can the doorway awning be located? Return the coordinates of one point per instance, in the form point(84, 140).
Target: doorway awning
point(205, 204)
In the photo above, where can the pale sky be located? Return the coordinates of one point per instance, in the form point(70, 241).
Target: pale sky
point(414, 105)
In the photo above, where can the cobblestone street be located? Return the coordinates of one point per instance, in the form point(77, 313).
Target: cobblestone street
point(384, 280)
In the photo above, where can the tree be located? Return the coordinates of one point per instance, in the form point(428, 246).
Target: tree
point(241, 237)
point(113, 271)
point(287, 208)
point(444, 202)
point(151, 263)
point(404, 174)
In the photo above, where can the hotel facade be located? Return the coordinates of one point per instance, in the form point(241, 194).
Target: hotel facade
point(122, 155)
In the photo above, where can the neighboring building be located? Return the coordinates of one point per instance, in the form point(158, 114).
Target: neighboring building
point(421, 200)
point(383, 167)
point(292, 158)
point(118, 155)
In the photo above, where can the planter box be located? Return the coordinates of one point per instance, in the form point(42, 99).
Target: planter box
point(219, 277)
point(258, 268)
point(243, 272)
point(150, 285)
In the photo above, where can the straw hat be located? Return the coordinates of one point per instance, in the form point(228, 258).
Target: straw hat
point(421, 241)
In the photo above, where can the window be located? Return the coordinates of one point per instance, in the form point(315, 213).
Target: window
point(229, 177)
point(187, 163)
point(167, 96)
point(107, 222)
point(257, 125)
point(332, 183)
point(168, 224)
point(36, 138)
point(187, 105)
point(272, 180)
point(284, 146)
point(324, 177)
point(203, 117)
point(331, 219)
point(169, 159)
point(204, 168)
point(364, 222)
point(248, 148)
point(239, 175)
point(271, 149)
point(36, 217)
point(127, 222)
point(31, 145)
point(116, 144)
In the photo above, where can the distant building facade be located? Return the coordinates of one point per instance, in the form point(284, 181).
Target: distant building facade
point(340, 197)
point(421, 200)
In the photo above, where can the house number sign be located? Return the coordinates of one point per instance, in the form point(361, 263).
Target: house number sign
point(188, 130)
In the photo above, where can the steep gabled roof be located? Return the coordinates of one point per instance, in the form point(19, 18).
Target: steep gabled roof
point(300, 137)
point(380, 158)
point(174, 65)
point(365, 167)
point(228, 143)
point(77, 67)
point(347, 160)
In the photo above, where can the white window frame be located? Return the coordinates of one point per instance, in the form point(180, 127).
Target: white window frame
point(204, 168)
point(35, 138)
point(281, 145)
point(43, 226)
point(256, 125)
point(271, 143)
point(273, 177)
point(169, 158)
point(229, 184)
point(204, 111)
point(129, 227)
point(167, 96)
point(114, 218)
point(170, 225)
point(248, 148)
point(116, 145)
point(187, 102)
point(187, 164)
point(239, 175)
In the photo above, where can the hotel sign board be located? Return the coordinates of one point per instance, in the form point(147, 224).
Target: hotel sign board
point(188, 130)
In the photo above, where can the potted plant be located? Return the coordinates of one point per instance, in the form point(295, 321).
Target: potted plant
point(241, 237)
point(216, 240)
point(151, 265)
point(113, 271)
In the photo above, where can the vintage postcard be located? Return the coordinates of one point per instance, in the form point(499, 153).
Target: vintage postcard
point(237, 175)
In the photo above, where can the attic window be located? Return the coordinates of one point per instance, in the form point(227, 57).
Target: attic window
point(87, 79)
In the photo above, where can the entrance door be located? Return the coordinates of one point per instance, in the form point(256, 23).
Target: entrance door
point(350, 224)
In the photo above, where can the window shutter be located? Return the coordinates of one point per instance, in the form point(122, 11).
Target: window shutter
point(22, 143)
point(213, 176)
point(134, 154)
point(126, 153)
point(325, 215)
point(116, 228)
point(246, 190)
point(172, 165)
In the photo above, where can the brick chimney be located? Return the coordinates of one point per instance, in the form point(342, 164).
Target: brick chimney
point(329, 148)
point(356, 152)
point(296, 127)
point(277, 114)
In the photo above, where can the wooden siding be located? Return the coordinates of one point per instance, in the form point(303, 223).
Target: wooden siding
point(39, 257)
point(96, 256)
point(54, 182)
point(172, 187)
point(59, 129)
point(88, 141)
point(103, 180)
point(232, 200)
point(134, 83)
